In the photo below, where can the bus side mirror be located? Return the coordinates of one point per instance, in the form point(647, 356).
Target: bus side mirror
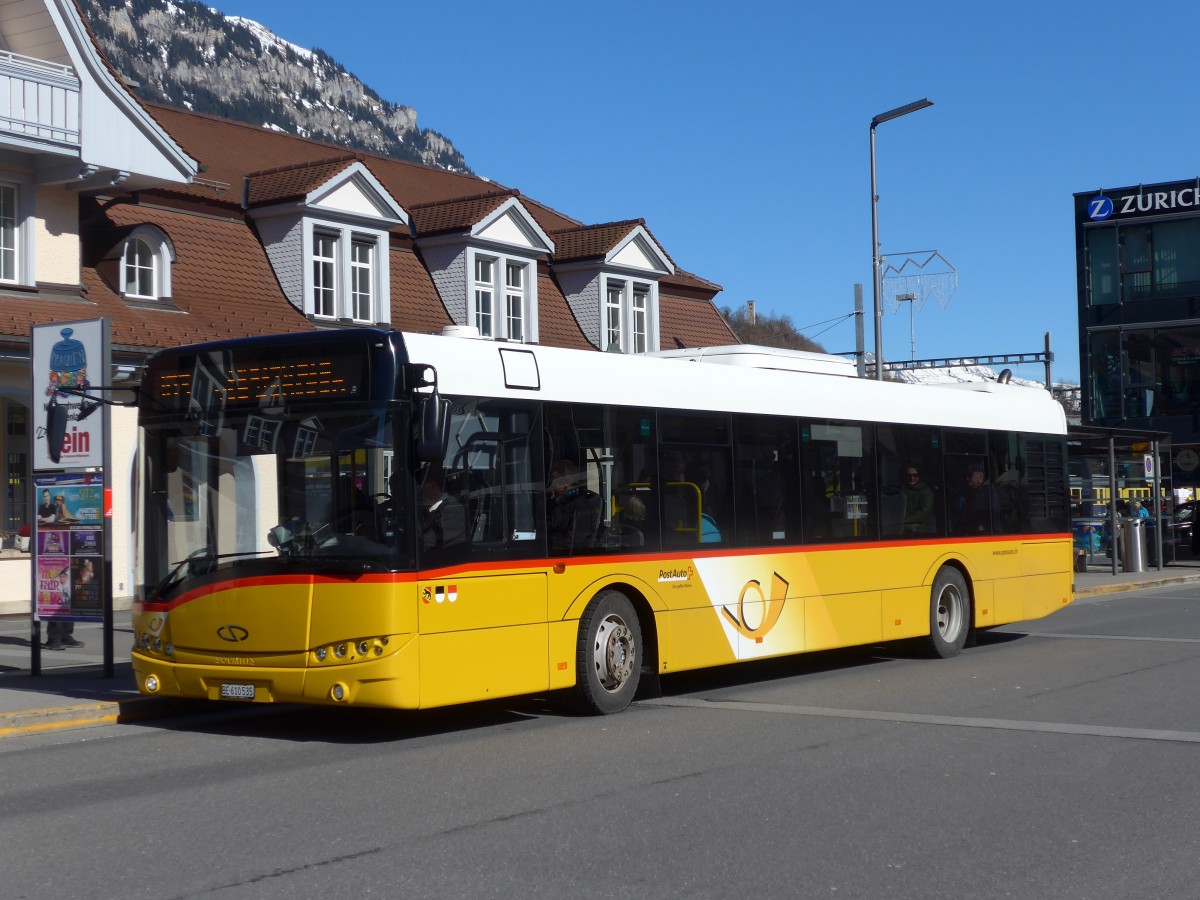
point(433, 428)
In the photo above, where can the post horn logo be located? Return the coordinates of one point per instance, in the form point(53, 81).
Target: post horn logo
point(772, 608)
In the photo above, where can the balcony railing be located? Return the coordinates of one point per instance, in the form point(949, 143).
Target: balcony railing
point(39, 101)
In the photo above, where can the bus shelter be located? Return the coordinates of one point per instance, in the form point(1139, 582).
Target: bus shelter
point(1121, 497)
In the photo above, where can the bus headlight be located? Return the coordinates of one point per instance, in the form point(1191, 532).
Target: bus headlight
point(322, 652)
point(340, 651)
point(151, 684)
point(362, 648)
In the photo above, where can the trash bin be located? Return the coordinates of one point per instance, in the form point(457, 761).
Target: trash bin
point(1133, 545)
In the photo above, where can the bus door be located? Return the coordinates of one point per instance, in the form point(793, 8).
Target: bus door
point(482, 613)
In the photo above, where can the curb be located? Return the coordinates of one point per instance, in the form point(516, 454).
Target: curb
point(1118, 587)
point(87, 715)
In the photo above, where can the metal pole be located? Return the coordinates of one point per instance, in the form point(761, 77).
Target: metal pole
point(859, 339)
point(1113, 542)
point(1158, 547)
point(875, 265)
point(876, 273)
point(1049, 360)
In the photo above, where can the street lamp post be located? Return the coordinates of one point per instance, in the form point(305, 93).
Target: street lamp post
point(877, 274)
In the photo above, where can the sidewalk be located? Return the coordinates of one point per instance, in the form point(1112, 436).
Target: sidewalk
point(72, 691)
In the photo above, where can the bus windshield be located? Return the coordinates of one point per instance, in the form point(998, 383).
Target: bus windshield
point(280, 488)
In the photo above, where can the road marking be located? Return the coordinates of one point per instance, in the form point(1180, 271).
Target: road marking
point(1140, 734)
point(1101, 637)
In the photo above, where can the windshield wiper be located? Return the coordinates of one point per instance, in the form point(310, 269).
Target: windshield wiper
point(192, 562)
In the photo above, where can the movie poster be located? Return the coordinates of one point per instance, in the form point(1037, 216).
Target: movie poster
point(69, 547)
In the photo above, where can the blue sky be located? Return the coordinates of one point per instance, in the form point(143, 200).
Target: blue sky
point(740, 132)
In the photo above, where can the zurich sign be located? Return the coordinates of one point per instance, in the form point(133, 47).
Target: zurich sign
point(1099, 208)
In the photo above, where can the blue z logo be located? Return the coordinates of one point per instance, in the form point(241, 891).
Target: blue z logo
point(1100, 208)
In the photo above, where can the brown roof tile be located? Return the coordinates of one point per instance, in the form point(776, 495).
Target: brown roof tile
point(591, 241)
point(416, 305)
point(449, 216)
point(557, 326)
point(294, 181)
point(691, 323)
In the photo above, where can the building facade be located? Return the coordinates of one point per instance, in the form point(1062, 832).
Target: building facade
point(179, 227)
point(1138, 258)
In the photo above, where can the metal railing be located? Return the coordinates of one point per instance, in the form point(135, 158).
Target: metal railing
point(39, 100)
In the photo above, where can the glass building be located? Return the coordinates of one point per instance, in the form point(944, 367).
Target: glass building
point(1138, 258)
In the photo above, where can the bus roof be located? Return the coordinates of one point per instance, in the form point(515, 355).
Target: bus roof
point(745, 379)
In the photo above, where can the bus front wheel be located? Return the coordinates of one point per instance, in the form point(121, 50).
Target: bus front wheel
point(609, 657)
point(949, 613)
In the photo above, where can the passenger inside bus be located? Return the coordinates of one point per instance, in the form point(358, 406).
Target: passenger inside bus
point(572, 511)
point(443, 519)
point(695, 473)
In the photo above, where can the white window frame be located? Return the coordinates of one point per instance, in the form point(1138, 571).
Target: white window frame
point(484, 293)
point(628, 308)
point(10, 233)
point(160, 254)
point(514, 300)
point(324, 271)
point(504, 296)
point(23, 229)
point(358, 288)
point(139, 272)
point(362, 279)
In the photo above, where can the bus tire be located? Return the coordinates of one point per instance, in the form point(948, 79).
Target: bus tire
point(608, 662)
point(949, 613)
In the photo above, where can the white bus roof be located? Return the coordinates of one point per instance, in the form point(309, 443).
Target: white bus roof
point(748, 379)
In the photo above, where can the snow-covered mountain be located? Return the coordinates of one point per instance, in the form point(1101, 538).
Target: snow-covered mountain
point(186, 54)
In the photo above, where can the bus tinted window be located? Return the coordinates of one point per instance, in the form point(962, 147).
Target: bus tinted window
point(969, 490)
point(484, 500)
point(766, 485)
point(696, 470)
point(601, 484)
point(838, 470)
point(911, 490)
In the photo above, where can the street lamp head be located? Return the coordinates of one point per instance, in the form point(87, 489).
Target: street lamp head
point(901, 111)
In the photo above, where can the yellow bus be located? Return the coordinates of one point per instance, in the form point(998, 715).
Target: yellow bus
point(365, 517)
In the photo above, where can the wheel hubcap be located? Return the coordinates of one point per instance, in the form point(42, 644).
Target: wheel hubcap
point(613, 653)
point(949, 614)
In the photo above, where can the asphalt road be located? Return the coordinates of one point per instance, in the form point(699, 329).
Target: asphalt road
point(1056, 759)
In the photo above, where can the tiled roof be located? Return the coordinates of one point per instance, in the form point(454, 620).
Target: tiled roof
point(295, 181)
point(450, 216)
point(416, 305)
point(591, 241)
point(691, 323)
point(229, 151)
point(557, 326)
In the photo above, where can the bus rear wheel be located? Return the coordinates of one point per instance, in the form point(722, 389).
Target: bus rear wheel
point(949, 613)
point(608, 660)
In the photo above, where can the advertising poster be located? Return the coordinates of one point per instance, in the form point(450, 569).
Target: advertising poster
point(68, 429)
point(69, 547)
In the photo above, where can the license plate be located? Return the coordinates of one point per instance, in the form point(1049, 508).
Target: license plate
point(237, 692)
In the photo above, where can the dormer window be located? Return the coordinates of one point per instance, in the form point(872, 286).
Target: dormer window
point(629, 311)
point(143, 265)
point(325, 227)
point(137, 277)
point(509, 321)
point(346, 277)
